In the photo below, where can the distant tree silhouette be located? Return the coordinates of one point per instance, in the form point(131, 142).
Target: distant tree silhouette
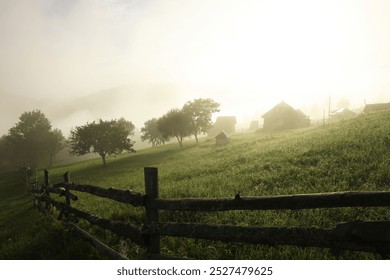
point(103, 138)
point(150, 132)
point(33, 139)
point(200, 112)
point(56, 142)
point(175, 123)
point(6, 158)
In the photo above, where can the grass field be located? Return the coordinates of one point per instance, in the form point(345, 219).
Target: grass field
point(27, 234)
point(349, 155)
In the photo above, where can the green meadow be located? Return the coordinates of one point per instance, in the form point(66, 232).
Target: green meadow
point(350, 155)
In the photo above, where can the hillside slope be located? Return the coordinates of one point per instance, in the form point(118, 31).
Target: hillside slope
point(26, 234)
point(344, 156)
point(348, 155)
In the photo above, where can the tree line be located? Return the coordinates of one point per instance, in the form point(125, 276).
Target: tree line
point(32, 141)
point(193, 119)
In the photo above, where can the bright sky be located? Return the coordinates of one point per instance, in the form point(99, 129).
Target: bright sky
point(248, 55)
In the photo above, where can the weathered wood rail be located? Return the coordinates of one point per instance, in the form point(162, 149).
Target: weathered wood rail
point(368, 236)
point(293, 202)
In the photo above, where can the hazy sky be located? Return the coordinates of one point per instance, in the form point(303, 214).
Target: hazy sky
point(248, 54)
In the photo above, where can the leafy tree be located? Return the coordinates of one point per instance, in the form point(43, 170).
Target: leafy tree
point(5, 152)
point(103, 138)
point(32, 139)
point(174, 124)
point(200, 112)
point(150, 132)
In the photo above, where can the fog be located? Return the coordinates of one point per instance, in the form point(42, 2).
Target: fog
point(77, 61)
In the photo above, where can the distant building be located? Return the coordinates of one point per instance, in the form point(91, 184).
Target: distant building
point(283, 116)
point(222, 139)
point(341, 114)
point(254, 125)
point(369, 108)
point(224, 123)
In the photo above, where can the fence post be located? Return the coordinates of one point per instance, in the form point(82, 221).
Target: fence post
point(45, 185)
point(26, 178)
point(152, 192)
point(67, 195)
point(46, 175)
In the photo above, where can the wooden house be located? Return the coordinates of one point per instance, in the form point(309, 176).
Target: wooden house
point(283, 116)
point(222, 139)
point(369, 108)
point(342, 114)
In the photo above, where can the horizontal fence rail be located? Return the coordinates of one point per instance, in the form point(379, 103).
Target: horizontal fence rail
point(121, 228)
point(125, 196)
point(356, 236)
point(108, 251)
point(368, 236)
point(293, 202)
point(60, 191)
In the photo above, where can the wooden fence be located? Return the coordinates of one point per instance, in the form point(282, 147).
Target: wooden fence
point(367, 236)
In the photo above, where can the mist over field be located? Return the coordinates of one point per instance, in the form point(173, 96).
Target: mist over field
point(78, 61)
point(278, 86)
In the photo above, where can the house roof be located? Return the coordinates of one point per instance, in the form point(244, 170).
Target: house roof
point(283, 109)
point(300, 113)
point(342, 111)
point(226, 119)
point(376, 107)
point(222, 135)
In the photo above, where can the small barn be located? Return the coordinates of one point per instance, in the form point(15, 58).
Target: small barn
point(369, 108)
point(222, 139)
point(283, 116)
point(223, 123)
point(342, 114)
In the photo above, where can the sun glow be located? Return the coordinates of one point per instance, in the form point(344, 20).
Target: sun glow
point(248, 55)
point(266, 51)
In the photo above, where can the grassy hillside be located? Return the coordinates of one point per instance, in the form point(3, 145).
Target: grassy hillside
point(349, 155)
point(27, 234)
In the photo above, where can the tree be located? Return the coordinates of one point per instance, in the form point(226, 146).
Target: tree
point(150, 132)
point(200, 112)
point(31, 139)
point(56, 142)
point(103, 138)
point(174, 124)
point(5, 152)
